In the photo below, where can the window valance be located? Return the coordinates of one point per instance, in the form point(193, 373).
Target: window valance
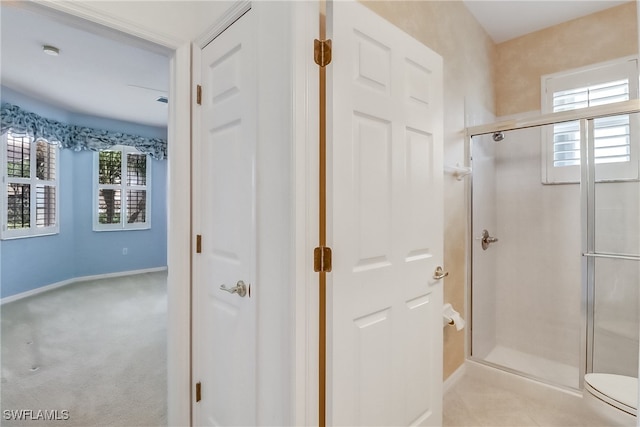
point(74, 137)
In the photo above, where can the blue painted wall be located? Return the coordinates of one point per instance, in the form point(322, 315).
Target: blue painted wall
point(77, 250)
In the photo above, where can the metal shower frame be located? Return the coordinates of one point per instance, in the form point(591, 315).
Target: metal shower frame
point(587, 196)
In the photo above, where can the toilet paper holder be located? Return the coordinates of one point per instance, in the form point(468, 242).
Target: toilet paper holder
point(452, 317)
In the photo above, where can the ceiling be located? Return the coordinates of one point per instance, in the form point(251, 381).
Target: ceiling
point(508, 19)
point(97, 72)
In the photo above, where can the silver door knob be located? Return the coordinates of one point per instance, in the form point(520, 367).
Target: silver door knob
point(486, 239)
point(240, 288)
point(440, 273)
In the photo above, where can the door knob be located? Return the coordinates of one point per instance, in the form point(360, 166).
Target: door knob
point(440, 273)
point(486, 239)
point(240, 288)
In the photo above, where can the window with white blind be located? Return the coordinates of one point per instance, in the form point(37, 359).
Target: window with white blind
point(122, 183)
point(615, 151)
point(29, 187)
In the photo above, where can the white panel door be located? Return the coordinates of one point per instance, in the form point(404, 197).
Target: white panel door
point(387, 215)
point(224, 340)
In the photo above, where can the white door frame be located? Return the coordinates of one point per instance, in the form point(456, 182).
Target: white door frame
point(305, 190)
point(178, 194)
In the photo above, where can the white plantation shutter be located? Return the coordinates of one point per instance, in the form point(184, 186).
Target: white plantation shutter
point(612, 134)
point(615, 150)
point(28, 195)
point(122, 185)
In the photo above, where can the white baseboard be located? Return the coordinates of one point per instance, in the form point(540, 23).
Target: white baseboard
point(454, 377)
point(75, 280)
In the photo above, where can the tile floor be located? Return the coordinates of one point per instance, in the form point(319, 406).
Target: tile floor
point(479, 401)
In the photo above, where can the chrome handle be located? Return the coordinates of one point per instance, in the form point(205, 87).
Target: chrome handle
point(487, 240)
point(440, 273)
point(240, 288)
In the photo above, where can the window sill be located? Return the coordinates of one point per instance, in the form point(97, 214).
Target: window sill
point(101, 230)
point(28, 236)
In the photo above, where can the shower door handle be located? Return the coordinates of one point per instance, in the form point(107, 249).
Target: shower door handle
point(487, 239)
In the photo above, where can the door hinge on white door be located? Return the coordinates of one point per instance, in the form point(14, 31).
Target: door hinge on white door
point(198, 392)
point(199, 95)
point(199, 244)
point(322, 52)
point(322, 259)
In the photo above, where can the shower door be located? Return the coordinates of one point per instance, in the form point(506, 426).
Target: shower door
point(526, 286)
point(613, 257)
point(555, 287)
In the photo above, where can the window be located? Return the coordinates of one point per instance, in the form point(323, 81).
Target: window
point(29, 188)
point(122, 183)
point(615, 151)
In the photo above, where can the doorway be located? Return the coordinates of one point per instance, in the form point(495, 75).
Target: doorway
point(77, 23)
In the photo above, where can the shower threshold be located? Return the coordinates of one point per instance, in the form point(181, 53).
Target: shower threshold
point(552, 371)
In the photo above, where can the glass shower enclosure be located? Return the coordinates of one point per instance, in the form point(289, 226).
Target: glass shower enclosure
point(555, 264)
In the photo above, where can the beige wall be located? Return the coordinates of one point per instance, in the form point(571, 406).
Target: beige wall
point(448, 28)
point(599, 37)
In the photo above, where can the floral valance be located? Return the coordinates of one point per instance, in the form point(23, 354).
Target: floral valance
point(74, 137)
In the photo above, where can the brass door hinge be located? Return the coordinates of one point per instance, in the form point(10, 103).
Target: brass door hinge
point(322, 259)
point(198, 244)
point(198, 392)
point(199, 95)
point(322, 52)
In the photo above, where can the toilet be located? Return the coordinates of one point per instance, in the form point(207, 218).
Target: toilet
point(613, 397)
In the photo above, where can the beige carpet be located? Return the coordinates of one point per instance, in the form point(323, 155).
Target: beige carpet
point(96, 349)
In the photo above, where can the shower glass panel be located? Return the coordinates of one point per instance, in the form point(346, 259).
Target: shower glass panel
point(615, 330)
point(526, 288)
point(616, 311)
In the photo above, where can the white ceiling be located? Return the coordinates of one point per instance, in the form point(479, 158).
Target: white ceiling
point(508, 19)
point(102, 75)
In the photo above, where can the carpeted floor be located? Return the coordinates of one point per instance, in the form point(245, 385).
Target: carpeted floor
point(96, 349)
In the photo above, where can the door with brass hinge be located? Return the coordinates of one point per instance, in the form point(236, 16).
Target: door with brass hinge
point(385, 360)
point(224, 297)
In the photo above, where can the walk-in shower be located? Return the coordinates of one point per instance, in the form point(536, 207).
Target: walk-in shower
point(555, 263)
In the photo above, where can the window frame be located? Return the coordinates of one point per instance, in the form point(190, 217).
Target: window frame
point(33, 181)
point(591, 75)
point(123, 187)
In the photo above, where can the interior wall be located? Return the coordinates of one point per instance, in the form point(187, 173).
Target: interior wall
point(599, 37)
point(77, 250)
point(469, 54)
